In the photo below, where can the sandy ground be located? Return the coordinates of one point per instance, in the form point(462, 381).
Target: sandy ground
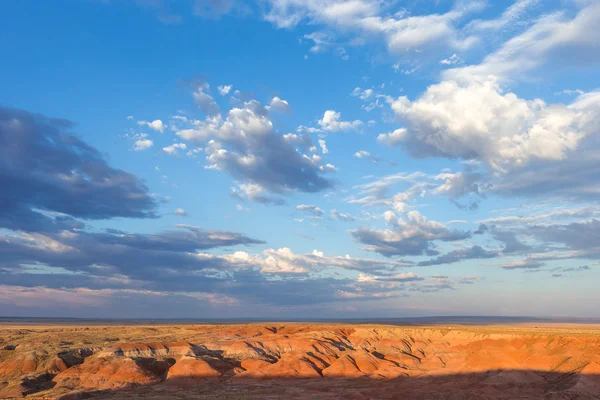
point(300, 361)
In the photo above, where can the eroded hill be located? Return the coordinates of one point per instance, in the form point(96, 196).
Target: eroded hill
point(289, 361)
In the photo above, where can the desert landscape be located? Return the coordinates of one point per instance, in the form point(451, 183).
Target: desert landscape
point(299, 199)
point(300, 361)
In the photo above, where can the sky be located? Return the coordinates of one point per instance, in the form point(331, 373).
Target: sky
point(299, 158)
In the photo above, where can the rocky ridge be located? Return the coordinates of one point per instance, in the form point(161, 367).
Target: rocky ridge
point(298, 361)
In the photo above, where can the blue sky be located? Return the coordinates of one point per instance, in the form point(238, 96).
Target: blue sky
point(299, 158)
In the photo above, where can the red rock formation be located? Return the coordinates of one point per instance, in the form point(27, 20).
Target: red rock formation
point(105, 373)
point(191, 367)
point(308, 361)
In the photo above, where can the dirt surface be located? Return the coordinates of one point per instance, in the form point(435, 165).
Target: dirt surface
point(300, 361)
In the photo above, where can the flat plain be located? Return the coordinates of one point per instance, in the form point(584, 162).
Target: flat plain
point(299, 361)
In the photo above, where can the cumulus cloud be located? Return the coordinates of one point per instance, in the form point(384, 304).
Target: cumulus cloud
point(246, 145)
point(323, 146)
point(459, 184)
point(323, 42)
point(522, 264)
point(370, 98)
point(469, 253)
point(241, 208)
point(205, 101)
point(287, 260)
point(174, 262)
point(502, 130)
point(193, 153)
point(48, 252)
point(142, 144)
point(173, 150)
point(180, 211)
point(583, 236)
point(472, 115)
point(255, 193)
point(332, 122)
point(157, 125)
point(117, 252)
point(392, 139)
point(335, 214)
point(363, 154)
point(414, 235)
point(279, 105)
point(310, 209)
point(384, 191)
point(452, 60)
point(364, 21)
point(224, 89)
point(576, 178)
point(47, 167)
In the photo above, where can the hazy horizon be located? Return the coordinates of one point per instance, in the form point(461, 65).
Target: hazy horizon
point(299, 159)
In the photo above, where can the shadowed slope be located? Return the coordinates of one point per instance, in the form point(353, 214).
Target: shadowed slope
point(300, 361)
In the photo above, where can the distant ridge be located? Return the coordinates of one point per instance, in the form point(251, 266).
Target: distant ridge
point(437, 320)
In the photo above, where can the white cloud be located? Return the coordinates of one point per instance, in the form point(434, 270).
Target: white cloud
point(285, 261)
point(246, 145)
point(331, 122)
point(371, 99)
point(363, 154)
point(411, 236)
point(508, 17)
point(310, 209)
point(323, 42)
point(363, 94)
point(571, 92)
point(279, 105)
point(323, 146)
point(341, 216)
point(477, 119)
point(241, 208)
point(393, 138)
point(365, 21)
point(452, 60)
point(552, 37)
point(531, 147)
point(205, 101)
point(173, 149)
point(224, 89)
point(194, 152)
point(157, 125)
point(384, 191)
point(142, 144)
point(308, 129)
point(404, 71)
point(256, 193)
point(543, 217)
point(180, 211)
point(458, 184)
point(402, 277)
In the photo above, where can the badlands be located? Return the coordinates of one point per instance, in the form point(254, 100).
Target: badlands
point(299, 361)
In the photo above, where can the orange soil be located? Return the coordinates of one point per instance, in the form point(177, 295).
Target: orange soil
point(293, 361)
